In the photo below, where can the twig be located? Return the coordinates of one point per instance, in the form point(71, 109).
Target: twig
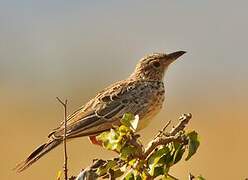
point(191, 177)
point(64, 104)
point(171, 137)
point(161, 132)
point(184, 120)
point(161, 141)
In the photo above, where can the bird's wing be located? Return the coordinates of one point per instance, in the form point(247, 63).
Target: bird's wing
point(106, 109)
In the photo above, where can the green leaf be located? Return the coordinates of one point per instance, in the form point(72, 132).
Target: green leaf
point(123, 130)
point(130, 121)
point(158, 171)
point(126, 119)
point(144, 175)
point(178, 152)
point(103, 137)
point(167, 159)
point(129, 176)
point(138, 177)
point(200, 178)
point(132, 162)
point(158, 154)
point(116, 174)
point(153, 161)
point(193, 144)
point(105, 168)
point(127, 151)
point(111, 140)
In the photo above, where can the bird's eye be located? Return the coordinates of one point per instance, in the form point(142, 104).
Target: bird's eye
point(156, 64)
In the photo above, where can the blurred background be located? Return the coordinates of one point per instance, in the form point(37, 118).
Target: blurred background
point(73, 49)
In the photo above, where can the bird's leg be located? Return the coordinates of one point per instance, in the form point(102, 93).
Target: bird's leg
point(93, 140)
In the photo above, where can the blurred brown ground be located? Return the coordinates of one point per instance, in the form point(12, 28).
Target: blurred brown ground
point(74, 49)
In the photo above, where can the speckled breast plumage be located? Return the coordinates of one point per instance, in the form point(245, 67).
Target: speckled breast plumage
point(154, 101)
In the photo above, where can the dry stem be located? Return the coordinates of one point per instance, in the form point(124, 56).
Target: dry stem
point(64, 104)
point(170, 137)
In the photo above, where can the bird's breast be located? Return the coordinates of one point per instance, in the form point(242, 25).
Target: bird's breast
point(155, 104)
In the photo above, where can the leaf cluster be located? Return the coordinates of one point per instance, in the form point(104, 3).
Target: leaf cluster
point(134, 162)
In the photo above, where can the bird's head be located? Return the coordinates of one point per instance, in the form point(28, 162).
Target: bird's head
point(154, 66)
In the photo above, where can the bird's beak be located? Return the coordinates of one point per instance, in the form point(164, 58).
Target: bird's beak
point(175, 55)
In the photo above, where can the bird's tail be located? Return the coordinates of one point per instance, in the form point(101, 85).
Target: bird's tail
point(37, 154)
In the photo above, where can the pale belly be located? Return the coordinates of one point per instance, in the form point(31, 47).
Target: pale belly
point(148, 117)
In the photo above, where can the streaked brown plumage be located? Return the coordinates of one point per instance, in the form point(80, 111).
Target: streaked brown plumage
point(142, 93)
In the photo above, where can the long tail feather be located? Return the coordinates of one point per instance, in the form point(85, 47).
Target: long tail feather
point(37, 154)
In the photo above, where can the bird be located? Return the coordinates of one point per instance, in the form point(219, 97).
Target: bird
point(142, 94)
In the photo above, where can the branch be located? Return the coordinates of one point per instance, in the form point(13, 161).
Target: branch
point(162, 131)
point(161, 141)
point(168, 138)
point(184, 120)
point(64, 104)
point(142, 154)
point(89, 173)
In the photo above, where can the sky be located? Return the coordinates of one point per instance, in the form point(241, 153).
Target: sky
point(73, 49)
